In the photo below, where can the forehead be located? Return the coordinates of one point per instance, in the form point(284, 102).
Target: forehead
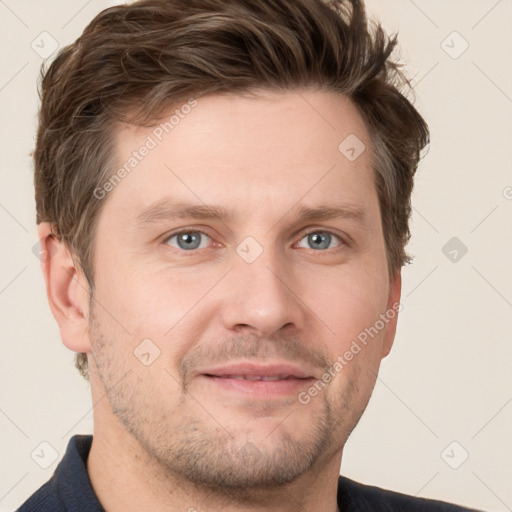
point(252, 154)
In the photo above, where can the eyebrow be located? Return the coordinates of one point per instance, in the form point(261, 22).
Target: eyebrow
point(166, 210)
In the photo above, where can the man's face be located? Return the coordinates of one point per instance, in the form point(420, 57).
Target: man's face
point(240, 317)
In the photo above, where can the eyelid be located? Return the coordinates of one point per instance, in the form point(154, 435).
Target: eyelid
point(345, 240)
point(192, 229)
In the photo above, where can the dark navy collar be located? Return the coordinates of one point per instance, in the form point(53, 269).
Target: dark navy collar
point(73, 483)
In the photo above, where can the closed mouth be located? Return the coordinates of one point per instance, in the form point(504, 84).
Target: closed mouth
point(253, 377)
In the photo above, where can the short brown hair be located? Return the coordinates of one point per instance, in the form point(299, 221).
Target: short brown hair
point(133, 62)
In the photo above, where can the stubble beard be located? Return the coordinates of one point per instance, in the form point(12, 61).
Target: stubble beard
point(192, 445)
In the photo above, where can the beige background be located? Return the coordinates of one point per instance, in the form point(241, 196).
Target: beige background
point(448, 378)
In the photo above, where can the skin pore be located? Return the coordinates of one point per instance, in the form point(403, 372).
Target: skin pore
point(271, 288)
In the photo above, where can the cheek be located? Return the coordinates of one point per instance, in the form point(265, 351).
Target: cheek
point(142, 296)
point(350, 304)
point(353, 313)
point(159, 305)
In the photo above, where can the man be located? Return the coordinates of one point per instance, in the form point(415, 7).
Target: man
point(223, 194)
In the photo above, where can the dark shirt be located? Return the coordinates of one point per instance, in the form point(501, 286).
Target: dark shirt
point(70, 490)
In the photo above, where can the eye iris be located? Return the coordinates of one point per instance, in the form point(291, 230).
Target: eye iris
point(320, 240)
point(189, 240)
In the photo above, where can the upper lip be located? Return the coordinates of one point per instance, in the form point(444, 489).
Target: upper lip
point(253, 369)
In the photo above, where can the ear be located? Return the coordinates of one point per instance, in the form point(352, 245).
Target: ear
point(67, 290)
point(392, 309)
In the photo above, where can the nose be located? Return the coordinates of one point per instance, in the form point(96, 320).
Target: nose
point(262, 296)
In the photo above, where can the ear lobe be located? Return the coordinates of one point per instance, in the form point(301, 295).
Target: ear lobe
point(392, 308)
point(66, 288)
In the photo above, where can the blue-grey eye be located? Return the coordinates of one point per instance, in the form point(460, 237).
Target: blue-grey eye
point(189, 240)
point(319, 240)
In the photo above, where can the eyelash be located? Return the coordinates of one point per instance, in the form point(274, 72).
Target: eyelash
point(303, 234)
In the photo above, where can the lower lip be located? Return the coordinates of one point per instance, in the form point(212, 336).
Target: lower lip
point(263, 388)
